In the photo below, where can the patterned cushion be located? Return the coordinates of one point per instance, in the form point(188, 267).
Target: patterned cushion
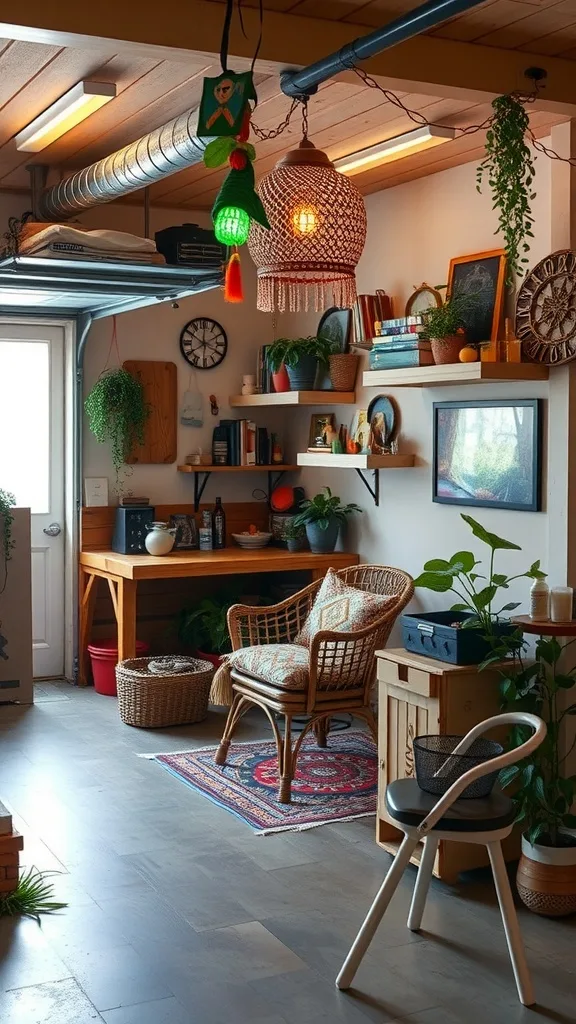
point(341, 609)
point(284, 665)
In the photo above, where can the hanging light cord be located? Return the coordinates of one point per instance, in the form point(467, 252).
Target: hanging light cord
point(420, 119)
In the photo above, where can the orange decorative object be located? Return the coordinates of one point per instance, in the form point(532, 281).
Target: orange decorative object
point(238, 159)
point(468, 354)
point(317, 233)
point(252, 530)
point(233, 290)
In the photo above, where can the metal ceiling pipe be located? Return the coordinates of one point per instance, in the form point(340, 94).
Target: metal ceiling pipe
point(166, 150)
point(429, 15)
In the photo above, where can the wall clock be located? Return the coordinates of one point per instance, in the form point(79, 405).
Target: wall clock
point(546, 310)
point(203, 343)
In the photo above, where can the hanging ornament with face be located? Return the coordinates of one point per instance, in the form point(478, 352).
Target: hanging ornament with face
point(224, 101)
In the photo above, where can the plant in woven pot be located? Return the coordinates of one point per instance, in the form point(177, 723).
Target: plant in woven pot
point(343, 370)
point(445, 327)
point(301, 357)
point(322, 516)
point(542, 786)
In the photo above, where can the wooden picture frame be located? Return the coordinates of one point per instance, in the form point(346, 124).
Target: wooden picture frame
point(484, 274)
point(501, 466)
point(319, 423)
point(186, 531)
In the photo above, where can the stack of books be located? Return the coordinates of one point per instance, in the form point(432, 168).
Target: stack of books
point(248, 445)
point(397, 344)
point(366, 312)
point(263, 372)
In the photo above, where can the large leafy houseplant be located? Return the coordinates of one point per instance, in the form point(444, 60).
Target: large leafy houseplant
point(204, 627)
point(289, 351)
point(509, 167)
point(117, 410)
point(7, 503)
point(477, 592)
point(322, 516)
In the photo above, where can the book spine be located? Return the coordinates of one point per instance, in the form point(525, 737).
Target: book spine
point(400, 360)
point(385, 332)
point(403, 322)
point(250, 443)
point(402, 346)
point(392, 339)
point(242, 461)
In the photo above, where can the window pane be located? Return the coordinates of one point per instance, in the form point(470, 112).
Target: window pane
point(25, 422)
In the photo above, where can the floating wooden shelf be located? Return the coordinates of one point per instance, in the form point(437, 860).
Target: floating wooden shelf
point(360, 463)
point(294, 398)
point(329, 461)
point(236, 469)
point(202, 473)
point(454, 373)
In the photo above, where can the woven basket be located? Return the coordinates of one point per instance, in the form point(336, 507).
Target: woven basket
point(155, 701)
point(343, 369)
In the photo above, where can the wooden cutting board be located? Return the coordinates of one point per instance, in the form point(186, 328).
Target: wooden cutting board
point(160, 382)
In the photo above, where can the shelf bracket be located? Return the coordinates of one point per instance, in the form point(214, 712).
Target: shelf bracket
point(374, 490)
point(273, 480)
point(199, 485)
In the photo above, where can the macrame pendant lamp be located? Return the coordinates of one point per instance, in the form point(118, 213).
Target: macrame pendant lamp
point(317, 233)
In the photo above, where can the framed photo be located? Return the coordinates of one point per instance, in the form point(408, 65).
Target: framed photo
point(384, 422)
point(481, 275)
point(186, 531)
point(359, 433)
point(322, 431)
point(488, 454)
point(95, 491)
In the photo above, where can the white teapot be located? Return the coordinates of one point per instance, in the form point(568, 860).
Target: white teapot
point(160, 540)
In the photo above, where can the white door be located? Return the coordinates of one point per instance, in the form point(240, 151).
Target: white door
point(32, 468)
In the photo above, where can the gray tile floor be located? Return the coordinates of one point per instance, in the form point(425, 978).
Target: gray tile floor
point(178, 914)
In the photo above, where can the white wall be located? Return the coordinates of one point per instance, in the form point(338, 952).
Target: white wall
point(153, 333)
point(413, 231)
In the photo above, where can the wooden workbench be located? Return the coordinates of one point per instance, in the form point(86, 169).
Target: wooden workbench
point(123, 572)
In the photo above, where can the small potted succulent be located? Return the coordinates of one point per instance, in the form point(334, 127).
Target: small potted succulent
point(322, 516)
point(301, 358)
point(295, 536)
point(445, 327)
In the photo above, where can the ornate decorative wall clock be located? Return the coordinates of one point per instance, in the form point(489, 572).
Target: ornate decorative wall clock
point(203, 343)
point(546, 310)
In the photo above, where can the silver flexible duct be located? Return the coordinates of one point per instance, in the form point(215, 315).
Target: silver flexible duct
point(167, 149)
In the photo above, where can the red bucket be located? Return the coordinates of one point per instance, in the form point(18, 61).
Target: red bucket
point(104, 658)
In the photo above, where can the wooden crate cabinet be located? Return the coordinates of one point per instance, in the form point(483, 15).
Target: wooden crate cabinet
point(419, 696)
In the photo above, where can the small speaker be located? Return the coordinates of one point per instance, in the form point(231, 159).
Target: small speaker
point(132, 524)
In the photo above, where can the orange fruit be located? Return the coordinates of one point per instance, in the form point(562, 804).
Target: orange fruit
point(468, 354)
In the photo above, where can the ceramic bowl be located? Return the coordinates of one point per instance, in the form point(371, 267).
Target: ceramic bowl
point(252, 541)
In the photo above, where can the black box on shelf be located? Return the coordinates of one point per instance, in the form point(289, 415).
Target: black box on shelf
point(131, 525)
point(188, 245)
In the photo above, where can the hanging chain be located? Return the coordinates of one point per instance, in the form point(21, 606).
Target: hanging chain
point(305, 118)
point(275, 132)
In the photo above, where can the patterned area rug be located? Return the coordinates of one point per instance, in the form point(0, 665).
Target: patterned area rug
point(335, 784)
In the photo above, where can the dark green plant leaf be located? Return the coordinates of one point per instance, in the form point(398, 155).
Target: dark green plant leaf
point(484, 597)
point(437, 565)
point(463, 558)
point(493, 541)
point(565, 682)
point(511, 606)
point(508, 774)
point(434, 581)
point(499, 579)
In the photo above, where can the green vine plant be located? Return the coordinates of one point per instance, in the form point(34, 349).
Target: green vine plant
point(117, 411)
point(7, 503)
point(509, 166)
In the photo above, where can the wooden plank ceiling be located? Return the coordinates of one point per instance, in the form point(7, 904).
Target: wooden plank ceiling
point(344, 116)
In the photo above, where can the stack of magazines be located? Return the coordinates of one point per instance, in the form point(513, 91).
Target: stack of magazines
point(397, 344)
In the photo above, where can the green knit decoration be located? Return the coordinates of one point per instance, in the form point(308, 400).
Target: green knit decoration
point(238, 189)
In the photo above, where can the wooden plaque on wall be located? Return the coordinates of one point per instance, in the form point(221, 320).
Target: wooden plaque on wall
point(160, 382)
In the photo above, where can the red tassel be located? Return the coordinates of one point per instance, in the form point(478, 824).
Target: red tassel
point(233, 291)
point(238, 159)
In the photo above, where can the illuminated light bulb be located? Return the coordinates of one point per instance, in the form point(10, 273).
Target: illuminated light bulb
point(305, 220)
point(232, 225)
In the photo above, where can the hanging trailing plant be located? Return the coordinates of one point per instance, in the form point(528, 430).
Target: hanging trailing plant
point(509, 166)
point(117, 412)
point(7, 503)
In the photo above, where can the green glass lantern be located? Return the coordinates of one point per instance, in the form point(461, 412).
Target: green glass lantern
point(232, 225)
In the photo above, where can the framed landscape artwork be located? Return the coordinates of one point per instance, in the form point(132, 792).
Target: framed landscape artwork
point(482, 276)
point(488, 454)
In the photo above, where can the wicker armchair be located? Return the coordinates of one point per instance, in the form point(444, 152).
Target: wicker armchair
point(339, 672)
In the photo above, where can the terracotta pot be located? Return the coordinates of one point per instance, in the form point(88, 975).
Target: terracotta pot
point(447, 350)
point(343, 369)
point(546, 879)
point(281, 380)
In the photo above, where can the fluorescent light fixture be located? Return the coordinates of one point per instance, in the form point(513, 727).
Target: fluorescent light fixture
point(394, 149)
point(72, 108)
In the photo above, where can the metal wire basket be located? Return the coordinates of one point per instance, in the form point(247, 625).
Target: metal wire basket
point(437, 767)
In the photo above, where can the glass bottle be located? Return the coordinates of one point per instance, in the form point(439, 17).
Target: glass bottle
point(218, 526)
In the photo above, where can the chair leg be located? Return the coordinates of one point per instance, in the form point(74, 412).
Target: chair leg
point(511, 926)
point(422, 883)
point(285, 765)
point(321, 730)
point(376, 913)
point(234, 716)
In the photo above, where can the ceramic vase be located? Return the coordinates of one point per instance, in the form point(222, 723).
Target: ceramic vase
point(160, 540)
point(281, 380)
point(447, 350)
point(303, 375)
point(323, 542)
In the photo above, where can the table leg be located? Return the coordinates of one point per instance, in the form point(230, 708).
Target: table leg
point(126, 619)
point(88, 588)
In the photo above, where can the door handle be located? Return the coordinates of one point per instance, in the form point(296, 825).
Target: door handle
point(53, 530)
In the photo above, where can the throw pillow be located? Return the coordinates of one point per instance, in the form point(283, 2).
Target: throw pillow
point(284, 665)
point(340, 608)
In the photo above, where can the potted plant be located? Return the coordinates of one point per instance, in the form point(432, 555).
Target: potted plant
point(301, 357)
point(322, 516)
point(294, 535)
point(478, 593)
point(7, 503)
point(205, 628)
point(117, 411)
point(445, 327)
point(543, 791)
